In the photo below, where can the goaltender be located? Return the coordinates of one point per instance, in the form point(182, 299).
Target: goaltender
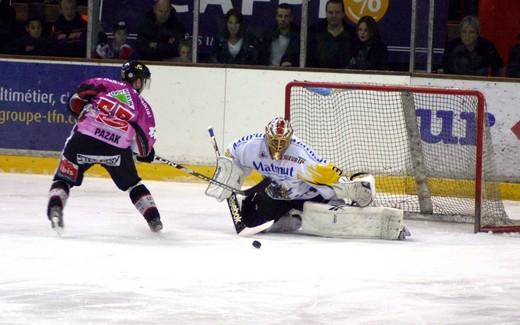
point(307, 194)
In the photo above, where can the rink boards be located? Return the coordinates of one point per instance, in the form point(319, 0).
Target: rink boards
point(155, 171)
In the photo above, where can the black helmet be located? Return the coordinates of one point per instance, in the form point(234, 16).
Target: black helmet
point(133, 70)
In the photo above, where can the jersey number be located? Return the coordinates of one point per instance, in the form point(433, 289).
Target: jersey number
point(112, 113)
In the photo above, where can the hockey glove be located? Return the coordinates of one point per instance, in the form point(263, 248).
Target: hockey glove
point(89, 91)
point(147, 159)
point(361, 191)
point(82, 97)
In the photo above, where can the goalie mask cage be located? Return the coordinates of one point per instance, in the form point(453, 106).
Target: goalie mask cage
point(429, 148)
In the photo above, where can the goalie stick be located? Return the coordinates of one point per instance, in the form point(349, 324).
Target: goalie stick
point(258, 187)
point(232, 201)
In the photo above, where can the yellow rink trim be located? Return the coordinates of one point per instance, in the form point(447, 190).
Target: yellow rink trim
point(157, 171)
point(445, 187)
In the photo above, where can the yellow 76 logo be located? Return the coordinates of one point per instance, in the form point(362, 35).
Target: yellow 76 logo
point(355, 9)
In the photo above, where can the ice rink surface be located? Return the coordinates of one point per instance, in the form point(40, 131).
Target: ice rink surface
point(108, 268)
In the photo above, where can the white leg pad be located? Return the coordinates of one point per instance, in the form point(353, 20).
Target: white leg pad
point(352, 222)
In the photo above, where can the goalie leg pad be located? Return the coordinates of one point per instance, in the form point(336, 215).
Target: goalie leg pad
point(228, 173)
point(360, 191)
point(351, 222)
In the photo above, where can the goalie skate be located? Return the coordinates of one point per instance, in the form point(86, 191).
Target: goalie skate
point(290, 222)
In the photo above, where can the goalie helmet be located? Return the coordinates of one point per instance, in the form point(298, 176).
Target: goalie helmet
point(278, 136)
point(134, 70)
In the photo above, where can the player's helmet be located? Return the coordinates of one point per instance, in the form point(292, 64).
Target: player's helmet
point(133, 70)
point(278, 136)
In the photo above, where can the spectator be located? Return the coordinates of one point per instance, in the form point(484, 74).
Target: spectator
point(33, 42)
point(70, 31)
point(159, 34)
point(369, 51)
point(184, 52)
point(235, 46)
point(280, 45)
point(7, 25)
point(330, 41)
point(513, 67)
point(118, 48)
point(471, 54)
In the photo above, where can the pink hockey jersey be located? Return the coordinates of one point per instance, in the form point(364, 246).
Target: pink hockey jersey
point(119, 116)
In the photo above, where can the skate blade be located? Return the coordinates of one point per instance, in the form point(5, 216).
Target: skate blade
point(54, 223)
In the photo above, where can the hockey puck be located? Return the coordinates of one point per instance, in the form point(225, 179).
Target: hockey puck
point(257, 244)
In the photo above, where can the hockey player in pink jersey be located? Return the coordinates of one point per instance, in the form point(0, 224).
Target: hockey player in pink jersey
point(114, 124)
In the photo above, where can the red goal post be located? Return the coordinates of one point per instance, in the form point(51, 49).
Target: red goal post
point(429, 148)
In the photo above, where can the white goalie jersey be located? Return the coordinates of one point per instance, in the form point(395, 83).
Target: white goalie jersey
point(291, 176)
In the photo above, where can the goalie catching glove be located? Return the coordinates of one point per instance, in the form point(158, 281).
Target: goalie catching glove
point(361, 190)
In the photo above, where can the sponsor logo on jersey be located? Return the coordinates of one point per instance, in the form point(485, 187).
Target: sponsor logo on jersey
point(273, 169)
point(105, 160)
point(298, 160)
point(68, 170)
point(109, 136)
point(123, 96)
point(247, 138)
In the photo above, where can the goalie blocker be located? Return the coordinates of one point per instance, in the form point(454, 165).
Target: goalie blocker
point(226, 172)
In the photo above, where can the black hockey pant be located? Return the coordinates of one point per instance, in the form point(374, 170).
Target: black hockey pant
point(259, 208)
point(81, 152)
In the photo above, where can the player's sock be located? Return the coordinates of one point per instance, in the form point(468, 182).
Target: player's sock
point(144, 203)
point(58, 195)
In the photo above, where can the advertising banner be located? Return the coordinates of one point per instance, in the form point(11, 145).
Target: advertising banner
point(33, 102)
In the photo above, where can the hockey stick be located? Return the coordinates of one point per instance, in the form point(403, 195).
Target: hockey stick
point(249, 191)
point(199, 175)
point(232, 201)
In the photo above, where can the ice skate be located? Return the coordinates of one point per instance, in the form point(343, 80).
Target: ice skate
point(287, 223)
point(56, 217)
point(404, 233)
point(155, 224)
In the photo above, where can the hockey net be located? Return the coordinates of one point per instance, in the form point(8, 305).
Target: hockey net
point(430, 149)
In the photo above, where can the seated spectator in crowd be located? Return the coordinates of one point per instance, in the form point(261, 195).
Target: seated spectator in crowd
point(280, 45)
point(330, 41)
point(158, 36)
point(184, 52)
point(235, 46)
point(70, 31)
point(513, 67)
point(471, 54)
point(118, 47)
point(34, 42)
point(7, 26)
point(369, 51)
